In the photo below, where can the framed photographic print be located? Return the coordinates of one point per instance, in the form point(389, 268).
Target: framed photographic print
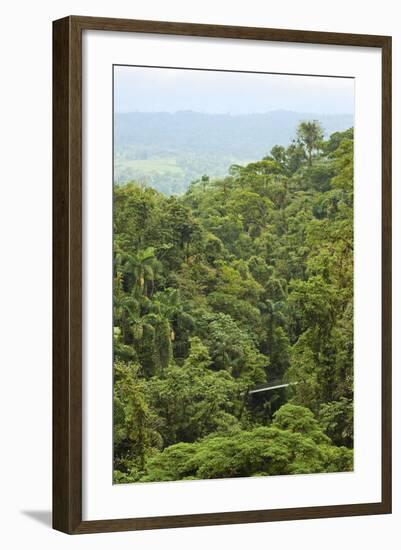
point(222, 274)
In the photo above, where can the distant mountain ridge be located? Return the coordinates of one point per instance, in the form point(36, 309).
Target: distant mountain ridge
point(169, 150)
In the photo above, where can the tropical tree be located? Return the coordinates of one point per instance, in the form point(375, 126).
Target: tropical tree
point(192, 399)
point(136, 425)
point(287, 447)
point(310, 135)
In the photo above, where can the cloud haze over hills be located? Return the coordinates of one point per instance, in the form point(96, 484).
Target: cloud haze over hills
point(171, 126)
point(164, 89)
point(169, 150)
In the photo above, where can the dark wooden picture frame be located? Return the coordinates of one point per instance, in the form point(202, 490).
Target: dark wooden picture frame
point(67, 278)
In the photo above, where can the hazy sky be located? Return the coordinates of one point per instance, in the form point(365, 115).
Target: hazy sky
point(155, 90)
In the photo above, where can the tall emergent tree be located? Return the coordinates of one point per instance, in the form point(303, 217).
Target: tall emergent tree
point(310, 135)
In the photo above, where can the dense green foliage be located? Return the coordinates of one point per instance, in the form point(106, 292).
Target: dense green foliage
point(243, 281)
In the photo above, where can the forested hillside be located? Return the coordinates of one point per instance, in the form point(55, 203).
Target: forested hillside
point(244, 282)
point(169, 150)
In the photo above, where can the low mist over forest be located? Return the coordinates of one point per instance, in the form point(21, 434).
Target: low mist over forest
point(169, 150)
